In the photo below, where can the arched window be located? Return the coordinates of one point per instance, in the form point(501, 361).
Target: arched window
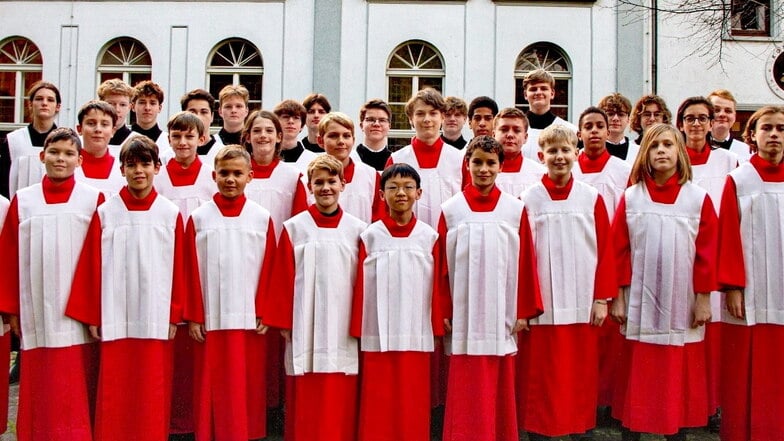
point(551, 58)
point(124, 58)
point(21, 65)
point(414, 65)
point(235, 61)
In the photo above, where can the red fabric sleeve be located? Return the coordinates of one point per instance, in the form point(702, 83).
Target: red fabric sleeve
point(529, 296)
point(101, 199)
point(379, 205)
point(358, 299)
point(622, 245)
point(731, 266)
point(267, 267)
point(180, 283)
point(84, 302)
point(605, 281)
point(9, 268)
point(706, 249)
point(389, 162)
point(193, 310)
point(437, 315)
point(279, 303)
point(300, 201)
point(442, 273)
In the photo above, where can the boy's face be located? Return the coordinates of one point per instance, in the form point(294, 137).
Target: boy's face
point(768, 134)
point(314, 115)
point(292, 125)
point(121, 104)
point(593, 133)
point(453, 124)
point(724, 114)
point(619, 120)
point(233, 110)
point(202, 109)
point(263, 137)
point(427, 121)
point(147, 108)
point(651, 114)
point(139, 176)
point(377, 130)
point(511, 133)
point(96, 129)
point(558, 157)
point(539, 96)
point(326, 189)
point(231, 176)
point(184, 143)
point(337, 141)
point(60, 159)
point(482, 122)
point(484, 168)
point(400, 193)
point(44, 104)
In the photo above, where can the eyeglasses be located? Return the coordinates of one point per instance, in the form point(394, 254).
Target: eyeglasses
point(381, 121)
point(395, 188)
point(691, 119)
point(649, 115)
point(477, 118)
point(618, 114)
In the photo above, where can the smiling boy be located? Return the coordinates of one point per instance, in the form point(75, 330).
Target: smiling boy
point(510, 129)
point(539, 86)
point(147, 105)
point(233, 108)
point(201, 103)
point(99, 168)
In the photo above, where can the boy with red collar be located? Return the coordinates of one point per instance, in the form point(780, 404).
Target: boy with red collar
point(37, 277)
point(518, 173)
point(99, 168)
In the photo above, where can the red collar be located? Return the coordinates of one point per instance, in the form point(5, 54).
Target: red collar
point(399, 230)
point(512, 163)
point(767, 171)
point(180, 176)
point(263, 171)
point(134, 204)
point(348, 171)
point(593, 165)
point(557, 193)
point(229, 207)
point(664, 194)
point(479, 202)
point(324, 221)
point(97, 168)
point(57, 193)
point(699, 158)
point(427, 155)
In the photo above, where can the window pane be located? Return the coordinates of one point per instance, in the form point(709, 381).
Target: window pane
point(399, 118)
point(253, 84)
point(7, 84)
point(137, 78)
point(110, 76)
point(6, 110)
point(126, 52)
point(400, 89)
point(435, 83)
point(398, 143)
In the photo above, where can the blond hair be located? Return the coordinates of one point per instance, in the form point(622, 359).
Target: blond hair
point(337, 118)
point(229, 152)
point(325, 162)
point(233, 90)
point(115, 86)
point(642, 164)
point(557, 133)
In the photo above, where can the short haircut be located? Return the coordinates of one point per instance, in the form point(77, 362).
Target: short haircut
point(538, 76)
point(328, 163)
point(185, 121)
point(63, 134)
point(692, 101)
point(337, 118)
point(400, 169)
point(197, 94)
point(487, 144)
point(642, 164)
point(38, 85)
point(455, 105)
point(615, 102)
point(591, 110)
point(557, 133)
point(148, 88)
point(639, 107)
point(114, 86)
point(374, 104)
point(751, 124)
point(317, 98)
point(234, 90)
point(229, 152)
point(428, 96)
point(511, 113)
point(723, 93)
point(291, 108)
point(100, 106)
point(256, 114)
point(482, 101)
point(139, 149)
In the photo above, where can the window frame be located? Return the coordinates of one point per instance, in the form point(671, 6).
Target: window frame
point(24, 64)
point(237, 70)
point(563, 77)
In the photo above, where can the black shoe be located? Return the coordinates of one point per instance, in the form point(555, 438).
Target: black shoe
point(714, 422)
point(13, 374)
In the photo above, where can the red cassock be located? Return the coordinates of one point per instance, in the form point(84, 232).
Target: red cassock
point(41, 239)
point(665, 239)
point(489, 273)
point(130, 281)
point(230, 246)
point(558, 359)
point(751, 224)
point(396, 315)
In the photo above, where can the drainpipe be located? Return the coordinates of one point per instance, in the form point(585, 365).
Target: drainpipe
point(654, 45)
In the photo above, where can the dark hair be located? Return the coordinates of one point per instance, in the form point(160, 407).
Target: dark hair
point(139, 149)
point(290, 108)
point(487, 144)
point(635, 119)
point(265, 114)
point(615, 102)
point(147, 88)
point(186, 121)
point(316, 98)
point(400, 169)
point(590, 110)
point(374, 104)
point(63, 134)
point(101, 106)
point(692, 101)
point(428, 96)
point(482, 101)
point(38, 85)
point(197, 94)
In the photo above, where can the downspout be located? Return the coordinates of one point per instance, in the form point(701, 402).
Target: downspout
point(654, 45)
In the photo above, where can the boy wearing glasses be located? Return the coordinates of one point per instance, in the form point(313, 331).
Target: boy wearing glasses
point(539, 88)
point(454, 120)
point(374, 119)
point(395, 314)
point(618, 107)
point(316, 106)
point(481, 112)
